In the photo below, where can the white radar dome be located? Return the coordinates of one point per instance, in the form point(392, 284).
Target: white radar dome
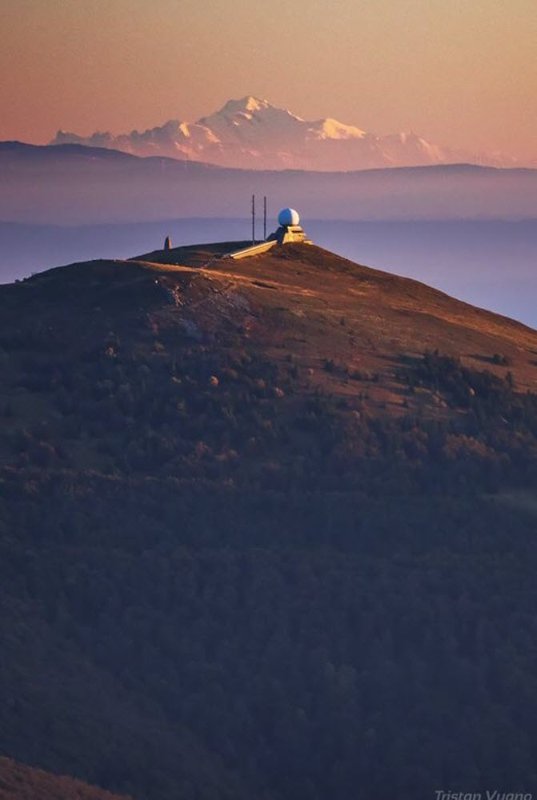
point(288, 216)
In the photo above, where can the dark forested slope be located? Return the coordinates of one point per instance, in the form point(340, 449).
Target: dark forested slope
point(267, 531)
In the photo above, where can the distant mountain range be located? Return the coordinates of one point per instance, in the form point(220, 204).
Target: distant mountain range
point(253, 134)
point(76, 184)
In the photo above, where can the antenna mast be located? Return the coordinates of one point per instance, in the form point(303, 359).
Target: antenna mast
point(265, 218)
point(253, 219)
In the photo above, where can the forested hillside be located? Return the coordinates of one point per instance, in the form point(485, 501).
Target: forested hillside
point(267, 531)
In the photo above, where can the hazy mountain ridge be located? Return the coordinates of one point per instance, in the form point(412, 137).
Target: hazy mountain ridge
point(78, 184)
point(251, 133)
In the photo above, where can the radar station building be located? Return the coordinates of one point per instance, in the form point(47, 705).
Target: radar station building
point(289, 230)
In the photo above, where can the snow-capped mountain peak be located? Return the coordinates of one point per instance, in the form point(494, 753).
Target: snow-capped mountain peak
point(244, 105)
point(332, 129)
point(247, 109)
point(252, 133)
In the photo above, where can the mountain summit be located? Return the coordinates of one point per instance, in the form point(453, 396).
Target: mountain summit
point(284, 328)
point(252, 133)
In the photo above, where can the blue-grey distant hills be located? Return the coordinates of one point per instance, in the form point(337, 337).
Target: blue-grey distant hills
point(77, 184)
point(254, 134)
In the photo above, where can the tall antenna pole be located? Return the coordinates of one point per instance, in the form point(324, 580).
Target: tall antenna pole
point(264, 217)
point(253, 219)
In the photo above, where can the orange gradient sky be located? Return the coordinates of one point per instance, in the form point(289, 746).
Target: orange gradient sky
point(461, 73)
